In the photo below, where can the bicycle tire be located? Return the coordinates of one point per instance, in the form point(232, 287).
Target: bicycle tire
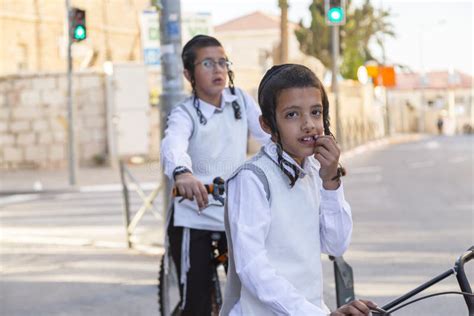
point(173, 287)
point(168, 291)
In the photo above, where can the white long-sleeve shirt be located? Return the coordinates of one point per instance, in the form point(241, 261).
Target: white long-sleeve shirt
point(175, 144)
point(249, 220)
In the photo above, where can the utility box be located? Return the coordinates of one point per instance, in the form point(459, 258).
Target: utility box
point(128, 110)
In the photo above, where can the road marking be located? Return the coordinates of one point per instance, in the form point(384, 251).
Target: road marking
point(457, 159)
point(432, 145)
point(116, 187)
point(421, 164)
point(368, 169)
point(18, 198)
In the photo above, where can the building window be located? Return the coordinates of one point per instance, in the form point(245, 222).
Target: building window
point(22, 57)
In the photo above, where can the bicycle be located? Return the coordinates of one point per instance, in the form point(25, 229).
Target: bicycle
point(345, 293)
point(169, 298)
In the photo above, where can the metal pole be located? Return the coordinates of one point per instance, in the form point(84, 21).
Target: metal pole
point(126, 203)
point(388, 123)
point(70, 109)
point(283, 58)
point(171, 66)
point(421, 121)
point(334, 84)
point(387, 114)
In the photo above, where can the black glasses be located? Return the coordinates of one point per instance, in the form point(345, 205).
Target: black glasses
point(210, 64)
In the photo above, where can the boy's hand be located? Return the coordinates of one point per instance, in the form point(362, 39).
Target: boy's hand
point(327, 152)
point(189, 187)
point(355, 308)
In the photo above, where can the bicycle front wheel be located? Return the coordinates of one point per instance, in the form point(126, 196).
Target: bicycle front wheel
point(169, 299)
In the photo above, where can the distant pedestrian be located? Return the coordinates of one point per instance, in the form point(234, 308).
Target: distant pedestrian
point(206, 137)
point(286, 205)
point(439, 124)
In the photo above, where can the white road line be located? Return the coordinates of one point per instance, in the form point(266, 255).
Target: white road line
point(116, 187)
point(18, 198)
point(421, 164)
point(432, 145)
point(457, 159)
point(368, 169)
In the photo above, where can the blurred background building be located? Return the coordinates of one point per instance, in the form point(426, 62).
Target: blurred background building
point(116, 90)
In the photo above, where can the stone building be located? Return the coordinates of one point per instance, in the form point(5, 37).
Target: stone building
point(32, 37)
point(418, 101)
point(252, 43)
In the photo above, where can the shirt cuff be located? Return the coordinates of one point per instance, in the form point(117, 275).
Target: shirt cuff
point(333, 200)
point(169, 167)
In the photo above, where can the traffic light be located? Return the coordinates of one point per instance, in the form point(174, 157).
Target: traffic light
point(78, 25)
point(335, 12)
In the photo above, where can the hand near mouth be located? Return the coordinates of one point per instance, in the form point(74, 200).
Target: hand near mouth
point(327, 152)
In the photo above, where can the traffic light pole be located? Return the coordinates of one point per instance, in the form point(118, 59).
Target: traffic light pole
point(171, 67)
point(334, 83)
point(70, 110)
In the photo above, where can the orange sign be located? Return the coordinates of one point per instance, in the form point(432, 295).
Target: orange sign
point(382, 75)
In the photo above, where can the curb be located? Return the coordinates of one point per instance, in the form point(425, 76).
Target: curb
point(392, 140)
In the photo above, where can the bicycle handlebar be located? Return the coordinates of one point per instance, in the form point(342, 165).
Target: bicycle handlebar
point(216, 188)
point(462, 278)
point(209, 189)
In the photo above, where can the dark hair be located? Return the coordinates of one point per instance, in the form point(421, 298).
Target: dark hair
point(286, 76)
point(277, 79)
point(188, 57)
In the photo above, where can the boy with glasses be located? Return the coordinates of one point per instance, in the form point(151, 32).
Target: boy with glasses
point(206, 137)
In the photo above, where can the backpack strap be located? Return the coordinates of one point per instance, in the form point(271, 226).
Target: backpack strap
point(260, 175)
point(183, 106)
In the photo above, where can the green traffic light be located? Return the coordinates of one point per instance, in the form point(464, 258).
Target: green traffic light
point(336, 15)
point(80, 33)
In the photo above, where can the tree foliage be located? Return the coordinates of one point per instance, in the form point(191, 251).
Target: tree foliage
point(364, 25)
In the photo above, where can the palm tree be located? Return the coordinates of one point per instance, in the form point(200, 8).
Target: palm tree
point(364, 25)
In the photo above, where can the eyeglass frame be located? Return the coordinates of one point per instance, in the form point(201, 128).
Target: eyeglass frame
point(222, 62)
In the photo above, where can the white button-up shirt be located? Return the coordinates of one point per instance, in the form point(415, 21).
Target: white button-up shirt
point(249, 210)
point(180, 127)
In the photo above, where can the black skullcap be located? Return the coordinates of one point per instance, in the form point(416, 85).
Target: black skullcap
point(268, 76)
point(196, 39)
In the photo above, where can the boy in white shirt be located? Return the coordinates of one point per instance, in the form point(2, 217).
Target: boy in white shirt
point(286, 205)
point(206, 137)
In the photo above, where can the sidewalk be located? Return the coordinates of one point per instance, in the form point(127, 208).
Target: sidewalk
point(107, 178)
point(87, 179)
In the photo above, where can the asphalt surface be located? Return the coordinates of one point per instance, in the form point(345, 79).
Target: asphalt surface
point(413, 207)
point(64, 253)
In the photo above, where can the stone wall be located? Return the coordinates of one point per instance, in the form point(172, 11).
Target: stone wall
point(33, 120)
point(32, 37)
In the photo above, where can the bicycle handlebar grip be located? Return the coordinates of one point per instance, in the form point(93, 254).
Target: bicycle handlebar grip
point(209, 189)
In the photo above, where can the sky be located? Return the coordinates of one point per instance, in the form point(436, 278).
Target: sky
point(431, 35)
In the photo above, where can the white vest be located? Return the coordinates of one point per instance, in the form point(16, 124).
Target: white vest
point(293, 243)
point(217, 149)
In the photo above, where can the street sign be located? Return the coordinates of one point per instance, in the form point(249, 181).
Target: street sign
point(196, 23)
point(381, 75)
point(150, 34)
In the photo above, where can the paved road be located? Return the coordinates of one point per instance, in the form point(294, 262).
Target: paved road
point(413, 207)
point(64, 254)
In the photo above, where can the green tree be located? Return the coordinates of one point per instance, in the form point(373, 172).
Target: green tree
point(364, 25)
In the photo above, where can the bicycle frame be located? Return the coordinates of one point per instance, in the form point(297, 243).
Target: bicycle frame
point(461, 277)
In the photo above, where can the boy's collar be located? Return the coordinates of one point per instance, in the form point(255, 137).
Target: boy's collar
point(270, 149)
point(208, 109)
